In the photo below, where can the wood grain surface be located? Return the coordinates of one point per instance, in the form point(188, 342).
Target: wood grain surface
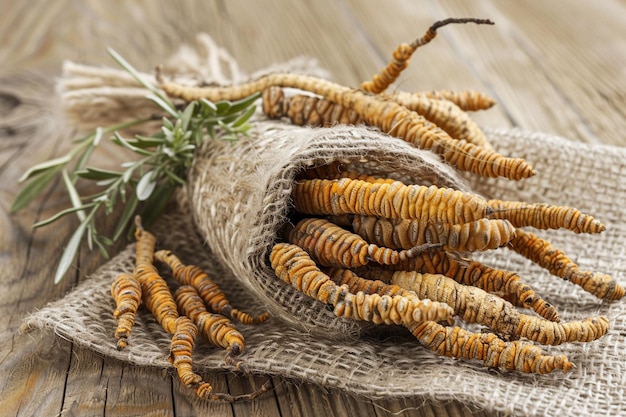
point(554, 66)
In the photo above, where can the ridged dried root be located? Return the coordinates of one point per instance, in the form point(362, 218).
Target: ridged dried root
point(474, 273)
point(557, 263)
point(465, 100)
point(330, 245)
point(126, 291)
point(293, 265)
point(545, 216)
point(459, 343)
point(216, 328)
point(306, 110)
point(474, 305)
point(473, 236)
point(209, 291)
point(395, 200)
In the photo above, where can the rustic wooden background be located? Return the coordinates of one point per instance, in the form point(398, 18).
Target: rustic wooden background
point(555, 66)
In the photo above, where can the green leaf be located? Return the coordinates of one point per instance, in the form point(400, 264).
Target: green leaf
point(71, 249)
point(223, 107)
point(145, 186)
point(74, 197)
point(241, 104)
point(97, 174)
point(185, 118)
point(61, 214)
point(244, 117)
point(163, 104)
point(33, 189)
point(156, 204)
point(119, 140)
point(146, 142)
point(209, 105)
point(45, 166)
point(127, 214)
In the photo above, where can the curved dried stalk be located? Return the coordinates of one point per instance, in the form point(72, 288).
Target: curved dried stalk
point(293, 265)
point(389, 117)
point(403, 52)
point(395, 200)
point(557, 263)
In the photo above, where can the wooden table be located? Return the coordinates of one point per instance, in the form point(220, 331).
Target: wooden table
point(556, 67)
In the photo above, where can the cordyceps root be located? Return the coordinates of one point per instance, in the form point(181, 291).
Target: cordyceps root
point(182, 316)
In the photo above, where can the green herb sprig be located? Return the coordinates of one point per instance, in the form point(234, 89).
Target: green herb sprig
point(164, 159)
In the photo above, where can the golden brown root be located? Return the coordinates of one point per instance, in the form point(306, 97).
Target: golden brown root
point(330, 245)
point(478, 235)
point(293, 265)
point(445, 114)
point(395, 200)
point(126, 291)
point(474, 305)
point(304, 110)
point(208, 290)
point(456, 342)
point(466, 100)
point(403, 52)
point(216, 328)
point(156, 294)
point(557, 263)
point(181, 349)
point(545, 216)
point(470, 272)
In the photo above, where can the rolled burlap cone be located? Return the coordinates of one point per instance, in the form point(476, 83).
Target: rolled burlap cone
point(239, 196)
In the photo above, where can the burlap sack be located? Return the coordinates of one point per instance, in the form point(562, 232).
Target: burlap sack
point(239, 195)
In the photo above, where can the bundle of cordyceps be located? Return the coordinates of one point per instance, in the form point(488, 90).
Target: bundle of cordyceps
point(379, 250)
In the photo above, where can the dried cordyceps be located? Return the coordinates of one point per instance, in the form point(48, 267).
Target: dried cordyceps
point(403, 52)
point(474, 273)
point(465, 100)
point(395, 200)
point(293, 265)
point(375, 111)
point(474, 305)
point(545, 216)
point(216, 328)
point(214, 297)
point(146, 284)
point(126, 291)
point(330, 245)
point(159, 300)
point(305, 110)
point(457, 342)
point(557, 263)
point(473, 236)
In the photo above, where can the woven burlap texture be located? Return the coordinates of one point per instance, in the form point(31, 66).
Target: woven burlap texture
point(239, 195)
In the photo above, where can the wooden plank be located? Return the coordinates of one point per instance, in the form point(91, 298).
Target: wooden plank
point(524, 85)
point(582, 59)
point(31, 365)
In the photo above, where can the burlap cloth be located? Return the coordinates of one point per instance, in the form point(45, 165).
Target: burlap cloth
point(237, 198)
